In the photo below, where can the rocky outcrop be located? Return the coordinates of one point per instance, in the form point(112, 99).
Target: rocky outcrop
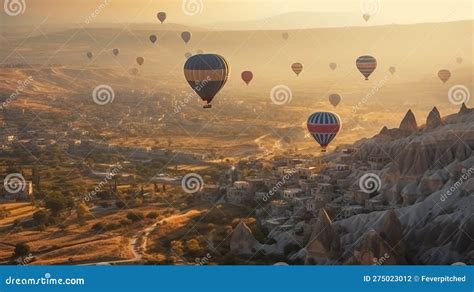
point(392, 233)
point(324, 245)
point(371, 249)
point(242, 240)
point(384, 131)
point(434, 119)
point(409, 122)
point(464, 110)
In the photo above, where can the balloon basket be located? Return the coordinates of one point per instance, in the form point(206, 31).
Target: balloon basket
point(207, 106)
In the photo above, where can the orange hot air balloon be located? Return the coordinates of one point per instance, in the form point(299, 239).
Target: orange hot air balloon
point(247, 76)
point(186, 36)
point(161, 16)
point(297, 68)
point(366, 65)
point(140, 61)
point(444, 75)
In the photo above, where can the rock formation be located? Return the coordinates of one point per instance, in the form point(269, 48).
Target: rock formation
point(409, 122)
point(434, 119)
point(464, 110)
point(371, 249)
point(324, 244)
point(392, 233)
point(242, 240)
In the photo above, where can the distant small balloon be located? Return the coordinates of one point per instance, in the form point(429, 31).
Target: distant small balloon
point(161, 16)
point(153, 38)
point(134, 71)
point(459, 60)
point(247, 76)
point(186, 36)
point(285, 35)
point(115, 52)
point(392, 70)
point(335, 99)
point(444, 75)
point(366, 17)
point(333, 66)
point(140, 61)
point(89, 55)
point(188, 55)
point(297, 68)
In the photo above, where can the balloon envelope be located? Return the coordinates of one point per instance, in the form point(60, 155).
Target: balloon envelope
point(140, 61)
point(153, 38)
point(366, 65)
point(324, 126)
point(459, 60)
point(297, 68)
point(89, 55)
point(115, 52)
point(247, 76)
point(366, 17)
point(161, 16)
point(285, 35)
point(444, 75)
point(206, 74)
point(333, 66)
point(392, 69)
point(186, 36)
point(335, 99)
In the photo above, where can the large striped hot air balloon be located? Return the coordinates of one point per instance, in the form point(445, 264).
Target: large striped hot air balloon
point(324, 126)
point(366, 65)
point(206, 74)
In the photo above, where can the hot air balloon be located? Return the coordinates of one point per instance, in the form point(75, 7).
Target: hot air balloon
point(247, 76)
point(153, 38)
point(285, 35)
point(459, 60)
point(297, 68)
point(186, 36)
point(89, 55)
point(366, 17)
point(366, 65)
point(161, 16)
point(335, 99)
point(140, 61)
point(333, 66)
point(206, 74)
point(392, 70)
point(135, 71)
point(324, 126)
point(115, 52)
point(444, 75)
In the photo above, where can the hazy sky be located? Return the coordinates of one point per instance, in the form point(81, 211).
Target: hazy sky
point(217, 11)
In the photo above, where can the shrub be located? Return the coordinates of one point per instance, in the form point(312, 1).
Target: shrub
point(152, 215)
point(135, 216)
